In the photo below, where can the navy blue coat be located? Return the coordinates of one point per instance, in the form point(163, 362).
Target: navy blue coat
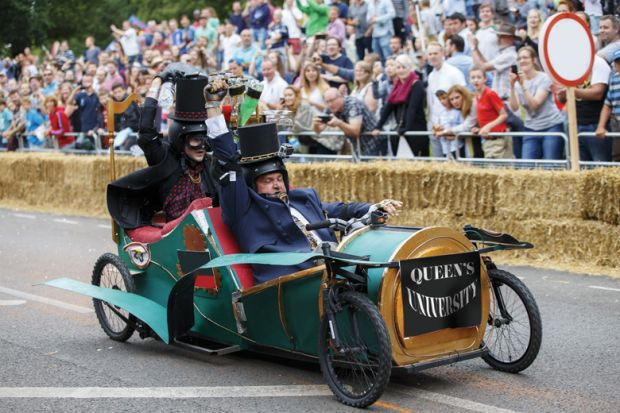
point(262, 224)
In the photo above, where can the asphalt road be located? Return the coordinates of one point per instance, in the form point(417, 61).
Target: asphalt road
point(55, 357)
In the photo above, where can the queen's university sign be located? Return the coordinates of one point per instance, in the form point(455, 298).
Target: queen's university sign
point(440, 292)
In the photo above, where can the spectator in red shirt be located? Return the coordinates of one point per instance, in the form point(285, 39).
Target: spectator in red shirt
point(492, 116)
point(58, 121)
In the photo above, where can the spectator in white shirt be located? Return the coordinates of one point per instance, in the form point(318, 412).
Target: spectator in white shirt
point(293, 18)
point(273, 86)
point(486, 35)
point(229, 41)
point(442, 77)
point(129, 41)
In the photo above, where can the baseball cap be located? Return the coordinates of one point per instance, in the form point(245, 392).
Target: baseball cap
point(616, 55)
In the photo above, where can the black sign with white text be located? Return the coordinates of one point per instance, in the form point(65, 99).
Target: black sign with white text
point(440, 292)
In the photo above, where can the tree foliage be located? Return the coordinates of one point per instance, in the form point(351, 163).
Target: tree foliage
point(23, 23)
point(36, 22)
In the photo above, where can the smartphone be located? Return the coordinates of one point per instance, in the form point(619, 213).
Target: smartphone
point(325, 118)
point(514, 69)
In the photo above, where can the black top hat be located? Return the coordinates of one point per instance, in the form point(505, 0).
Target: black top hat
point(258, 142)
point(190, 100)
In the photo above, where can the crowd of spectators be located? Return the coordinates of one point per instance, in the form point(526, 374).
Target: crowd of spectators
point(453, 72)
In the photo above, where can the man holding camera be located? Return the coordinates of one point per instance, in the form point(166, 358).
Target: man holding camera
point(354, 119)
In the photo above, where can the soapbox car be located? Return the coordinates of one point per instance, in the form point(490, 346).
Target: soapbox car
point(386, 298)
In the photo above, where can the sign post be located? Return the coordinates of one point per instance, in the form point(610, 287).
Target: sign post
point(573, 139)
point(114, 108)
point(567, 55)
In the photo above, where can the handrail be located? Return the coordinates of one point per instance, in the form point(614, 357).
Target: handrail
point(297, 157)
point(613, 135)
point(562, 135)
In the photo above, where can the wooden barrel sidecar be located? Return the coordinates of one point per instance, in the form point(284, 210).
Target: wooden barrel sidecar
point(385, 288)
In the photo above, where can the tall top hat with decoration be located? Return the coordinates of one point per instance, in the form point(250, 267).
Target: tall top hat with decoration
point(261, 152)
point(190, 100)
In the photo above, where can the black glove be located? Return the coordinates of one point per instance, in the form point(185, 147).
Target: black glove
point(175, 71)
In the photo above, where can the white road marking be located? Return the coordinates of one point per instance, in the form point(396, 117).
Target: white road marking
point(65, 221)
point(45, 300)
point(12, 302)
point(223, 392)
point(604, 288)
point(27, 216)
point(164, 392)
point(104, 226)
point(450, 400)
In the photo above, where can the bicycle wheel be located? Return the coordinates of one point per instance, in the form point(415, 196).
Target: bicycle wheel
point(358, 371)
point(111, 272)
point(514, 334)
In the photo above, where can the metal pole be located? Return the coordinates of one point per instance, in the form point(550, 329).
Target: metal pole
point(420, 26)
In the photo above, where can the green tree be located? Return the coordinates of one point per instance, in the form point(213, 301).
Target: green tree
point(23, 23)
point(36, 22)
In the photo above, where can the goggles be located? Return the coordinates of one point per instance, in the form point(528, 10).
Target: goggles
point(202, 144)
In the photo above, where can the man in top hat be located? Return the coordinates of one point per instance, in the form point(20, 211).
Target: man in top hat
point(258, 205)
point(180, 169)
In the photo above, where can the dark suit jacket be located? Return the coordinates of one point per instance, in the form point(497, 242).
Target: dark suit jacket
point(262, 224)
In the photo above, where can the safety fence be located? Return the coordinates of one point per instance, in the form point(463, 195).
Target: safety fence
point(353, 150)
point(563, 163)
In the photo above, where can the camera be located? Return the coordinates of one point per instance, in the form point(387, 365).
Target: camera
point(514, 69)
point(325, 118)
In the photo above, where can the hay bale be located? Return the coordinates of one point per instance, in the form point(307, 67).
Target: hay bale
point(572, 218)
point(601, 195)
point(538, 194)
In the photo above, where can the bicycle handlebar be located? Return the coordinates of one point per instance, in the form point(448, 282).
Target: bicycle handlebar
point(336, 223)
point(318, 225)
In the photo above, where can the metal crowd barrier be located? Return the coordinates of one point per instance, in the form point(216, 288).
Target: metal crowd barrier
point(521, 163)
point(514, 163)
point(599, 164)
point(355, 150)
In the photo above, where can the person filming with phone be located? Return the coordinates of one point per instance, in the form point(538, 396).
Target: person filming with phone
point(354, 119)
point(531, 88)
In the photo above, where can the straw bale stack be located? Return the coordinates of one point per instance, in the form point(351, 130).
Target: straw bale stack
point(571, 218)
point(601, 195)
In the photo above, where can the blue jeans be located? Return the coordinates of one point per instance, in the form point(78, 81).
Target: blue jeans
point(381, 45)
point(544, 147)
point(259, 36)
point(593, 148)
point(515, 124)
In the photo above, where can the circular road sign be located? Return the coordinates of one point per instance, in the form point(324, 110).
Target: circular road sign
point(566, 49)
